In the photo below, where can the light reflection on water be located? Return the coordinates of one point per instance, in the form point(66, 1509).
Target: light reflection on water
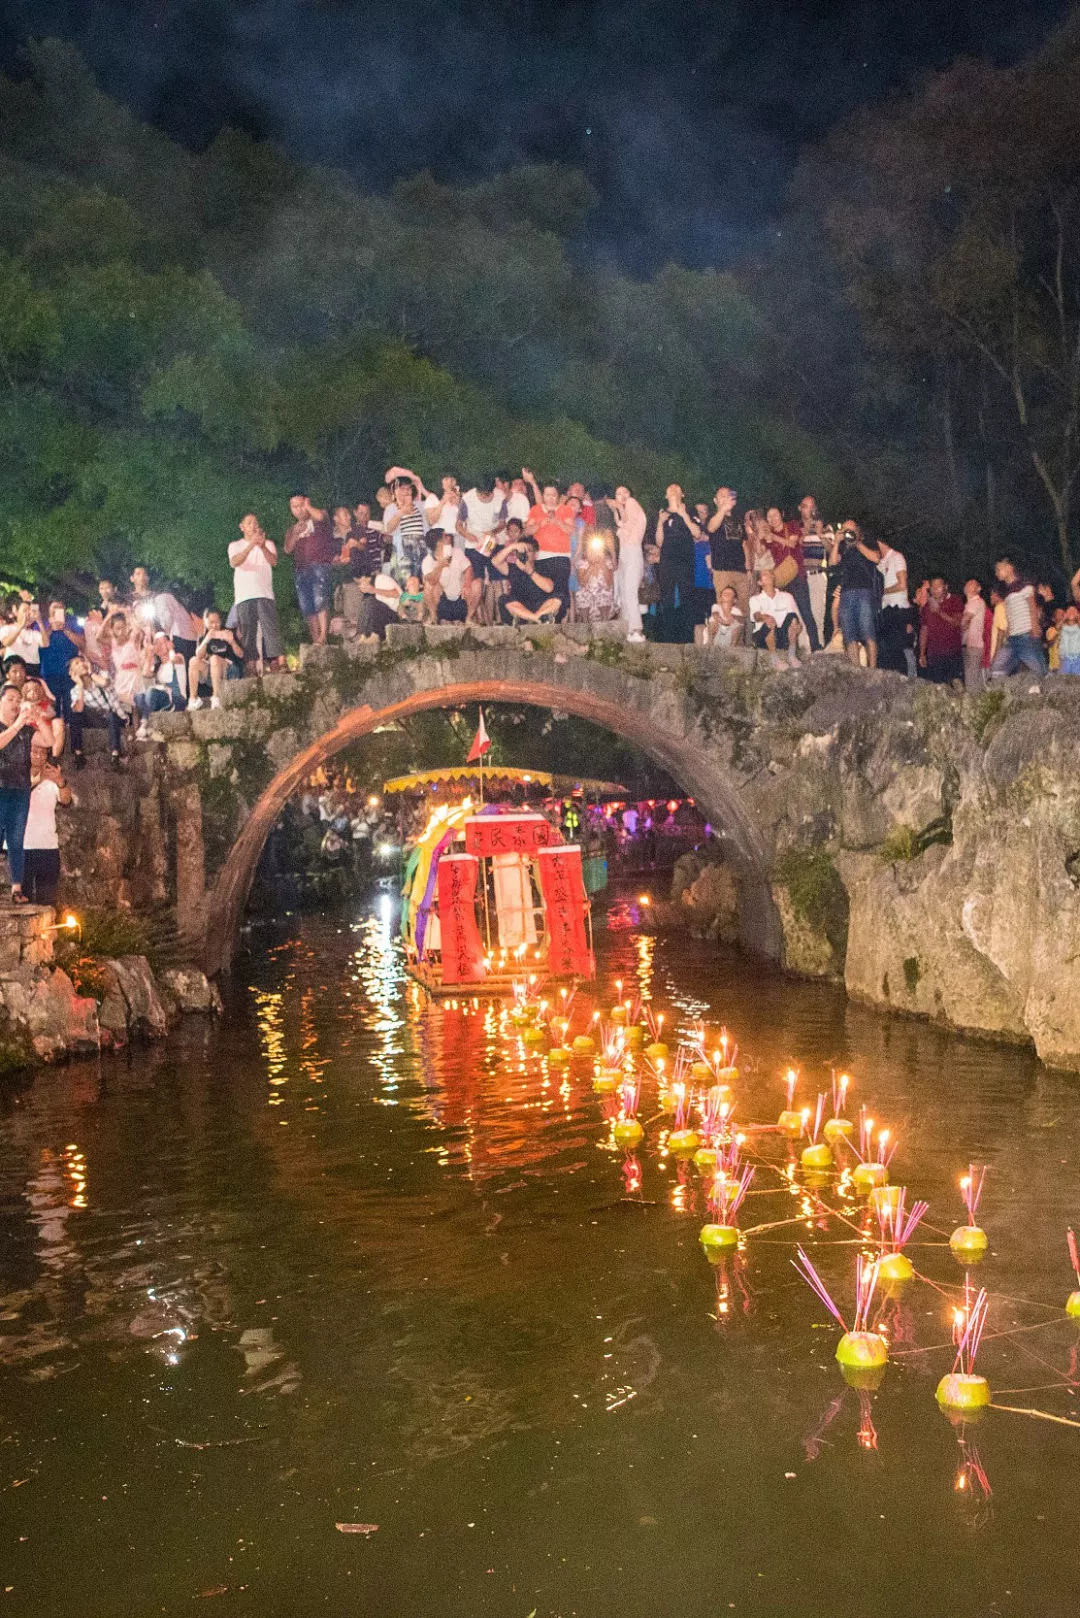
point(355, 1256)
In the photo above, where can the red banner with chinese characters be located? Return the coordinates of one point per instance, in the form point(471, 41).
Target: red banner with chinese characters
point(508, 834)
point(462, 951)
point(565, 908)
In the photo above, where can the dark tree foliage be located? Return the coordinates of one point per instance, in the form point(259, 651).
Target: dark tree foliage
point(187, 337)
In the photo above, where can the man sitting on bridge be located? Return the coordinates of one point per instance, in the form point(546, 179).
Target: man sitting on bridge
point(774, 618)
point(533, 597)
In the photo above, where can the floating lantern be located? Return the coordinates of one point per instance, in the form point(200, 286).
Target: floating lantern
point(963, 1392)
point(606, 1080)
point(726, 1196)
point(656, 1050)
point(897, 1226)
point(701, 1070)
point(886, 1198)
point(872, 1169)
point(705, 1158)
point(838, 1126)
point(683, 1140)
point(816, 1154)
point(559, 1055)
point(969, 1241)
point(627, 1130)
point(790, 1121)
point(725, 1058)
point(584, 1044)
point(859, 1349)
point(533, 1035)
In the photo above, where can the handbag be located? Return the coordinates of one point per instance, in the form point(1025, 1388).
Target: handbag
point(785, 571)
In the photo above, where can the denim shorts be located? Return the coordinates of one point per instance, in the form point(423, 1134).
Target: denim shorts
point(313, 588)
point(858, 620)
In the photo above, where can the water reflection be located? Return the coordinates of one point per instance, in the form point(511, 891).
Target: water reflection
point(380, 1259)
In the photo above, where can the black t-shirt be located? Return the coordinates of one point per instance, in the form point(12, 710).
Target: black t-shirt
point(15, 761)
point(856, 571)
point(677, 553)
point(726, 554)
point(524, 589)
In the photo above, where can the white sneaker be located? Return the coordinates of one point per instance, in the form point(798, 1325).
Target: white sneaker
point(196, 702)
point(793, 659)
point(215, 702)
point(143, 732)
point(636, 638)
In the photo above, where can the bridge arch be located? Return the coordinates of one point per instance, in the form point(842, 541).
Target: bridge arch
point(605, 698)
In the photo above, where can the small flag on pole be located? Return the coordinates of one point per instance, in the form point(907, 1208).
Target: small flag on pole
point(481, 743)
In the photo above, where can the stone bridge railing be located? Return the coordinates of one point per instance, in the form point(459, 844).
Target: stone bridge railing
point(922, 845)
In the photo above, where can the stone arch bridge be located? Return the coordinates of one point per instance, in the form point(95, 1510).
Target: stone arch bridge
point(922, 846)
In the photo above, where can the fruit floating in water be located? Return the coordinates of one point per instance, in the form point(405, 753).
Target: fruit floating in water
point(818, 1155)
point(968, 1241)
point(618, 1015)
point(606, 1080)
point(635, 1036)
point(885, 1199)
point(964, 1393)
point(628, 1132)
point(790, 1122)
point(684, 1142)
point(656, 1050)
point(705, 1158)
point(584, 1044)
point(533, 1035)
point(559, 1055)
point(701, 1070)
point(862, 1350)
point(718, 1237)
point(895, 1267)
point(867, 1176)
point(838, 1128)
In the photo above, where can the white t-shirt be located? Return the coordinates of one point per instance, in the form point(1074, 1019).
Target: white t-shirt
point(452, 578)
point(253, 580)
point(1020, 611)
point(724, 634)
point(973, 621)
point(890, 567)
point(173, 618)
point(778, 606)
point(518, 505)
point(446, 519)
point(127, 671)
point(482, 517)
point(26, 644)
point(41, 819)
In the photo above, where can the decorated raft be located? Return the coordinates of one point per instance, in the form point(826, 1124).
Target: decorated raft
point(492, 894)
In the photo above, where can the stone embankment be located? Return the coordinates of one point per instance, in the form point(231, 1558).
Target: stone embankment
point(43, 1017)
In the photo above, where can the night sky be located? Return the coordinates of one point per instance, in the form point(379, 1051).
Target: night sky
point(687, 115)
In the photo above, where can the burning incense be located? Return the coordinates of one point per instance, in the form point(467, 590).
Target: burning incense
point(816, 1154)
point(969, 1242)
point(860, 1348)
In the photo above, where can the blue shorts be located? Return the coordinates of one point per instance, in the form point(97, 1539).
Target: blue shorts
point(858, 620)
point(313, 588)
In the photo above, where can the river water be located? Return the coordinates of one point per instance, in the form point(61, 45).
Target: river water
point(352, 1257)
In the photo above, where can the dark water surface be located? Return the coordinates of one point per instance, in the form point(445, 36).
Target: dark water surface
point(350, 1256)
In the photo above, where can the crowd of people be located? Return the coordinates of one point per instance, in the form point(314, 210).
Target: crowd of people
point(509, 549)
point(513, 550)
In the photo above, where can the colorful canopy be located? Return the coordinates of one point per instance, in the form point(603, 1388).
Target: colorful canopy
point(493, 774)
